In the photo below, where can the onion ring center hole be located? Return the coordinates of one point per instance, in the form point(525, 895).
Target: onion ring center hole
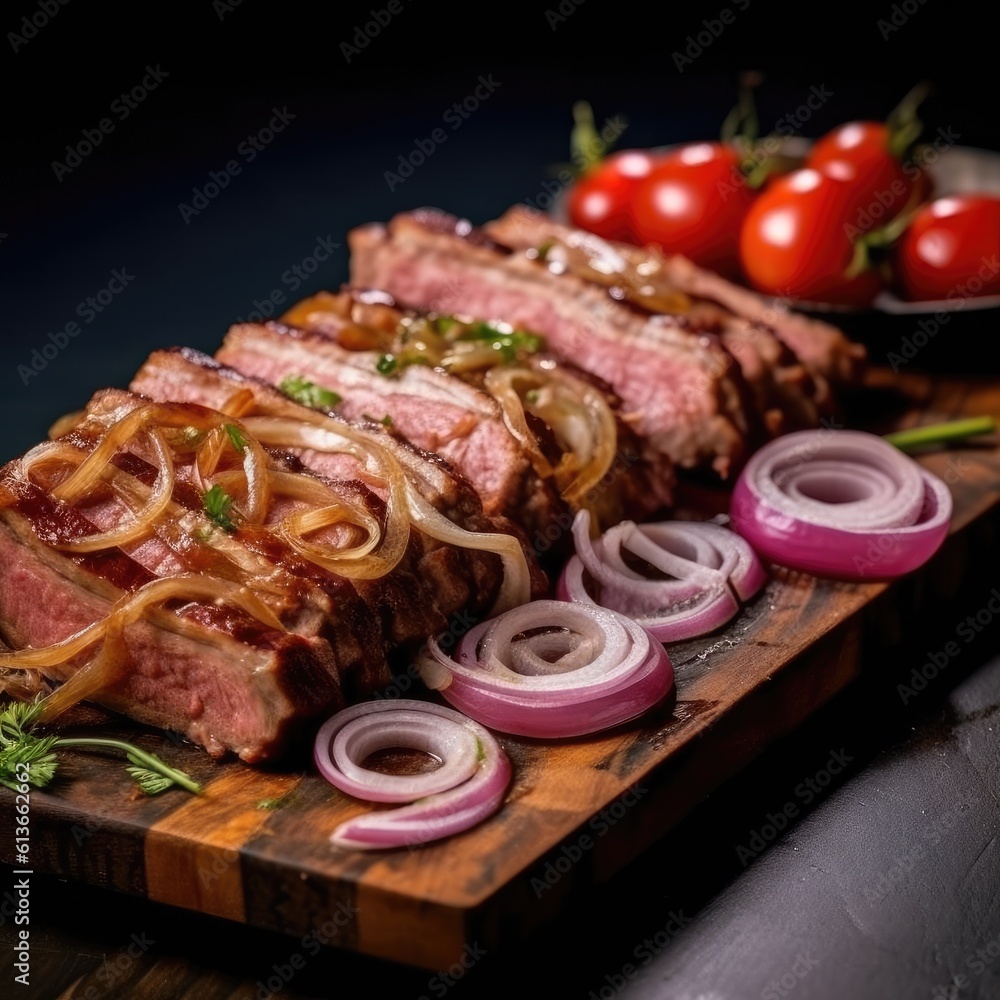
point(828, 488)
point(555, 641)
point(549, 649)
point(401, 761)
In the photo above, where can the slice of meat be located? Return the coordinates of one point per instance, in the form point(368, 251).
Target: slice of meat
point(306, 598)
point(229, 675)
point(820, 347)
point(440, 412)
point(436, 411)
point(213, 673)
point(682, 392)
point(445, 579)
point(785, 393)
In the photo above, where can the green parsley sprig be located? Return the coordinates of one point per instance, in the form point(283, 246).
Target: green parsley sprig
point(19, 745)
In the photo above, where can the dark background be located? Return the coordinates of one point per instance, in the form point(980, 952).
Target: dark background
point(353, 119)
point(813, 893)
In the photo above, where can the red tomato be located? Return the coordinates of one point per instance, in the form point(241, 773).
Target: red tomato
point(951, 249)
point(693, 203)
point(599, 200)
point(881, 178)
point(796, 240)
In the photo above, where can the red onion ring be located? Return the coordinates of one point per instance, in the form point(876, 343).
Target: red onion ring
point(709, 570)
point(468, 787)
point(844, 504)
point(550, 669)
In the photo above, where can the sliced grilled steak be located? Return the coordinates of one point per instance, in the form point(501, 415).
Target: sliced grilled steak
point(308, 599)
point(681, 391)
point(823, 349)
point(444, 579)
point(213, 673)
point(435, 411)
point(210, 668)
point(439, 412)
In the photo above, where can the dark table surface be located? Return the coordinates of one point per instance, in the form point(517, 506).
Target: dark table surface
point(882, 881)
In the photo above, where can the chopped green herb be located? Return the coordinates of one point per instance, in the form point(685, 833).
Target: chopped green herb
point(449, 341)
point(543, 250)
point(19, 745)
point(445, 323)
point(509, 345)
point(507, 342)
point(270, 804)
point(386, 421)
point(531, 396)
point(309, 393)
point(218, 506)
point(239, 442)
point(481, 331)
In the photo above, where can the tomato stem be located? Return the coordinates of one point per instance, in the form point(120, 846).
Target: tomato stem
point(585, 146)
point(741, 122)
point(741, 129)
point(902, 123)
point(879, 239)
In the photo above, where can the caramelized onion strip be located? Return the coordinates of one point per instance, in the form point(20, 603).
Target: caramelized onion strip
point(88, 474)
point(502, 384)
point(516, 586)
point(330, 508)
point(95, 676)
point(578, 414)
point(384, 548)
point(141, 525)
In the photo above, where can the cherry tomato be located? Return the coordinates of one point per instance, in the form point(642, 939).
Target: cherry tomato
point(693, 203)
point(881, 178)
point(951, 249)
point(797, 239)
point(599, 200)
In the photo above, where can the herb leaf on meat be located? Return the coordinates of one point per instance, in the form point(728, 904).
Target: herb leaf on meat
point(309, 393)
point(218, 506)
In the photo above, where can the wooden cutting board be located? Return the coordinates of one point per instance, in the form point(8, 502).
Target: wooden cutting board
point(254, 847)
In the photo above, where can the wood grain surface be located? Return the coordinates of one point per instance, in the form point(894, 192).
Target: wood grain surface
point(254, 847)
